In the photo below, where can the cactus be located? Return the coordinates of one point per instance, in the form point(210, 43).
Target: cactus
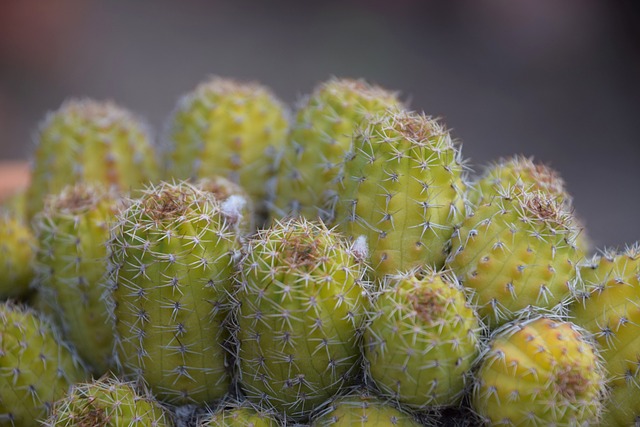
point(233, 197)
point(107, 402)
point(228, 128)
point(72, 231)
point(91, 142)
point(17, 252)
point(540, 372)
point(240, 415)
point(422, 340)
point(403, 190)
point(301, 306)
point(609, 308)
point(362, 410)
point(516, 252)
point(172, 256)
point(309, 173)
point(37, 367)
point(522, 173)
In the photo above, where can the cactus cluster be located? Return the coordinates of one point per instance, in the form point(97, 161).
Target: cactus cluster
point(342, 267)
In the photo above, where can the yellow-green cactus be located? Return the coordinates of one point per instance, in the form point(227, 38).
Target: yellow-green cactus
point(361, 411)
point(301, 305)
point(309, 173)
point(91, 142)
point(523, 173)
point(240, 415)
point(540, 372)
point(36, 367)
point(72, 231)
point(225, 127)
point(17, 253)
point(516, 252)
point(107, 402)
point(403, 190)
point(422, 340)
point(173, 259)
point(609, 308)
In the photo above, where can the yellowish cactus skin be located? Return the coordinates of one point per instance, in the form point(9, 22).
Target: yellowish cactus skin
point(228, 128)
point(17, 253)
point(609, 308)
point(240, 415)
point(107, 402)
point(540, 372)
point(422, 340)
point(72, 231)
point(91, 142)
point(173, 255)
point(309, 174)
point(516, 252)
point(300, 310)
point(36, 367)
point(403, 190)
point(362, 411)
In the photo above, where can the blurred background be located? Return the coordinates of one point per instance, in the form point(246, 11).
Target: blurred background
point(557, 80)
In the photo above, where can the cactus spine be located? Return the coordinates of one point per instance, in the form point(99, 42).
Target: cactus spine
point(609, 308)
point(73, 230)
point(107, 402)
point(172, 254)
point(516, 252)
point(92, 142)
point(540, 372)
point(320, 137)
point(37, 368)
point(228, 128)
point(422, 340)
point(301, 307)
point(403, 187)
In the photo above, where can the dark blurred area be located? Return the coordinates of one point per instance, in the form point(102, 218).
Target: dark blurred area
point(559, 81)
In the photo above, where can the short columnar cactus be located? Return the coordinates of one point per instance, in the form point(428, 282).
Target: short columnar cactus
point(523, 173)
point(403, 190)
point(539, 372)
point(240, 415)
point(609, 308)
point(301, 305)
point(36, 367)
point(17, 252)
point(516, 252)
point(225, 127)
point(309, 173)
point(92, 142)
point(107, 402)
point(173, 258)
point(72, 231)
point(422, 340)
point(362, 410)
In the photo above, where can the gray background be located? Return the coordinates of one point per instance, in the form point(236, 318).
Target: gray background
point(558, 80)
